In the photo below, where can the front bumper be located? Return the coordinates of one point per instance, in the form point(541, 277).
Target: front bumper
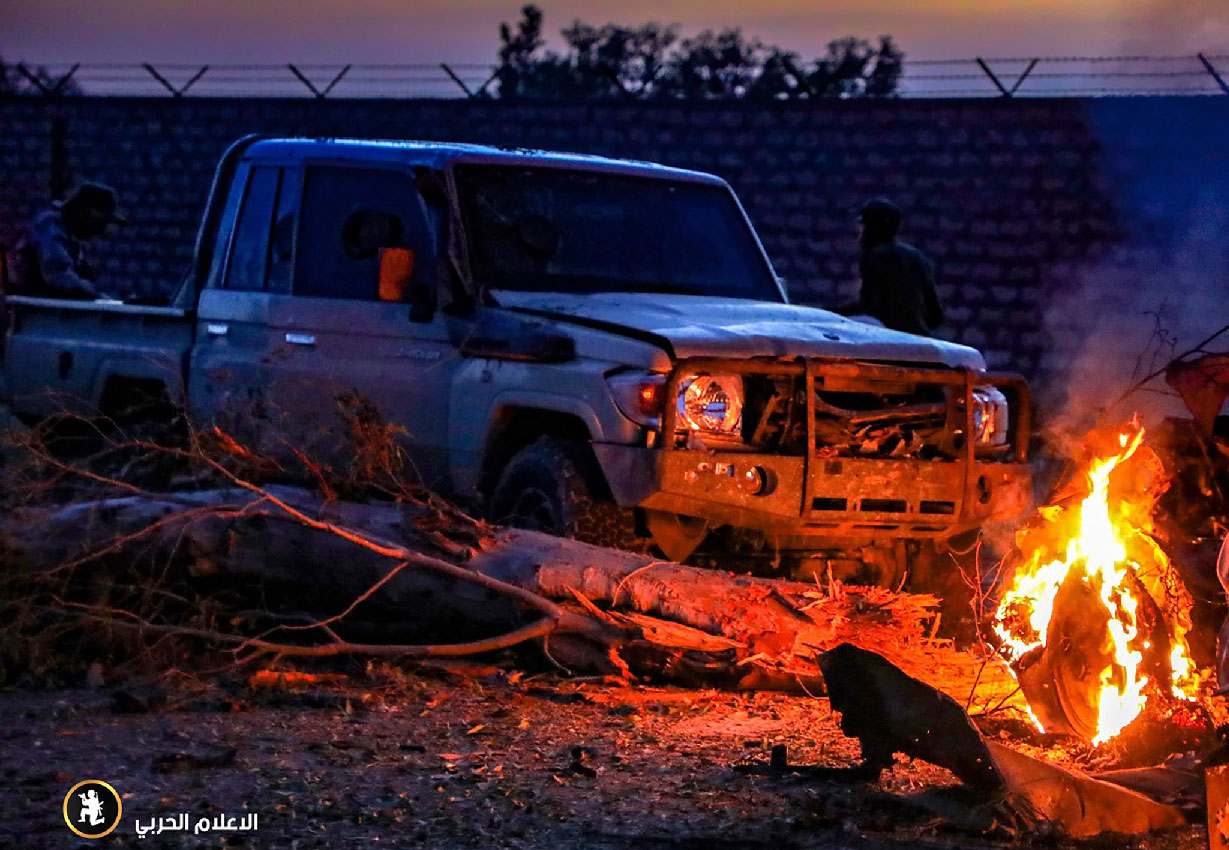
point(817, 496)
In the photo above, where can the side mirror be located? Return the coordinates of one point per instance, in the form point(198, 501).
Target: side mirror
point(397, 284)
point(396, 274)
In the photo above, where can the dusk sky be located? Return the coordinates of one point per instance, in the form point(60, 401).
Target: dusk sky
point(379, 31)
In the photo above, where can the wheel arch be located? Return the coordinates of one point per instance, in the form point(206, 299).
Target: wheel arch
point(515, 426)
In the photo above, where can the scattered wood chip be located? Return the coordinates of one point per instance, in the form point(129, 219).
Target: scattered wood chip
point(287, 680)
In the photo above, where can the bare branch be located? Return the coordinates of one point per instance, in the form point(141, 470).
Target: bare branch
point(128, 620)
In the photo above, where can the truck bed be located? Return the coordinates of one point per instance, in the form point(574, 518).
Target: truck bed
point(60, 354)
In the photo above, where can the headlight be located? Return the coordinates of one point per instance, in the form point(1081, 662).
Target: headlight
point(990, 417)
point(711, 403)
point(706, 403)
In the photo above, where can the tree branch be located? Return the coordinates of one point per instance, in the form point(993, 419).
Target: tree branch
point(112, 617)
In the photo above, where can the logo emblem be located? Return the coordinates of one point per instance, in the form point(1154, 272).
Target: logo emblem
point(92, 808)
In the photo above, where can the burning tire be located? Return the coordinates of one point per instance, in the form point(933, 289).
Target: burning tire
point(1094, 617)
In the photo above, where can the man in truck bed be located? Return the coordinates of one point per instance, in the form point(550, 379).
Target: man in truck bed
point(49, 258)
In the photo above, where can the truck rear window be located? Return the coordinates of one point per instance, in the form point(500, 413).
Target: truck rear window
point(557, 230)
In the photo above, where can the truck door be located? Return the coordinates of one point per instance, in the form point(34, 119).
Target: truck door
point(343, 348)
point(228, 376)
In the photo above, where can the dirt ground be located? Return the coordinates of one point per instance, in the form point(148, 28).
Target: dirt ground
point(429, 758)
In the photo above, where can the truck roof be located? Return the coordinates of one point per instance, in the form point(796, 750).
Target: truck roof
point(444, 154)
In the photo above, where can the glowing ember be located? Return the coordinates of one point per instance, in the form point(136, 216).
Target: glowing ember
point(1104, 542)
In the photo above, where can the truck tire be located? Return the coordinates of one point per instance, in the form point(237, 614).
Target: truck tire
point(552, 485)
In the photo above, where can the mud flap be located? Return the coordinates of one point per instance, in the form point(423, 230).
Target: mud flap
point(677, 536)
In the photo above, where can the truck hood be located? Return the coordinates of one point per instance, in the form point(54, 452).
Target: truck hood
point(704, 326)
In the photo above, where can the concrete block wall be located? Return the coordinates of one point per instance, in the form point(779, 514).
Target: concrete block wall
point(1015, 200)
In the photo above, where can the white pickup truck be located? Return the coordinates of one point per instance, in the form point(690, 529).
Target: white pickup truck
point(589, 346)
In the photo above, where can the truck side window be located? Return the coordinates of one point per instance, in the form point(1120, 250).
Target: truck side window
point(217, 262)
point(343, 209)
point(281, 243)
point(249, 257)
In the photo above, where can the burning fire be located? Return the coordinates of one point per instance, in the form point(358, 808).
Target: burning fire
point(1103, 541)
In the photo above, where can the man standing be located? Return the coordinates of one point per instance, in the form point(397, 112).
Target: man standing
point(898, 280)
point(50, 255)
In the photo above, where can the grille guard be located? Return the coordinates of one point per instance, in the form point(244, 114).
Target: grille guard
point(821, 508)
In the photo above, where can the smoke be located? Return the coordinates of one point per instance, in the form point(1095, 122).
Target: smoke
point(1152, 297)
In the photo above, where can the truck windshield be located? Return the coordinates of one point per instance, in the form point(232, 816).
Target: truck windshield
point(556, 230)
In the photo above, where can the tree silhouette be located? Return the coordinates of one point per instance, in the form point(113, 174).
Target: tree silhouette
point(888, 65)
point(616, 60)
point(716, 65)
point(517, 60)
point(603, 62)
point(649, 61)
point(850, 67)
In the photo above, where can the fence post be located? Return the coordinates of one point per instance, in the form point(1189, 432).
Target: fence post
point(1220, 81)
point(320, 94)
point(175, 92)
point(55, 88)
point(302, 79)
point(997, 84)
point(460, 83)
point(336, 80)
point(1022, 77)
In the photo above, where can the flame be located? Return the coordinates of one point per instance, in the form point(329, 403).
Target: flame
point(1104, 548)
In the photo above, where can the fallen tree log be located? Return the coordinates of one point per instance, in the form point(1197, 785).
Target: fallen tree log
point(606, 609)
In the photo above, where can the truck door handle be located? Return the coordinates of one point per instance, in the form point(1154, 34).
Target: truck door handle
point(301, 339)
point(214, 329)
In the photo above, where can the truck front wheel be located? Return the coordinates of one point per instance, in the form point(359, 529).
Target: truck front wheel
point(553, 485)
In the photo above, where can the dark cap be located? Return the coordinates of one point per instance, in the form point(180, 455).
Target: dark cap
point(880, 212)
point(96, 199)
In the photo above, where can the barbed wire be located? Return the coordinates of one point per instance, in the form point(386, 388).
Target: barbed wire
point(1019, 76)
point(1186, 57)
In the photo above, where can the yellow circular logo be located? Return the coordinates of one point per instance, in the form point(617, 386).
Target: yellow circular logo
point(92, 808)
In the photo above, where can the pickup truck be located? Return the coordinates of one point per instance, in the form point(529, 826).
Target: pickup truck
point(588, 346)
